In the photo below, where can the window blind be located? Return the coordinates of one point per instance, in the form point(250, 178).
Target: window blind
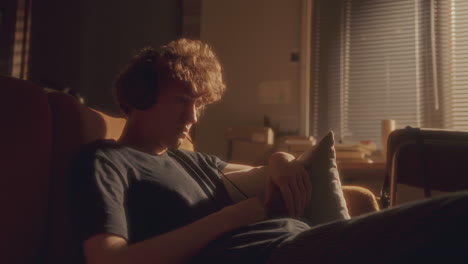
point(20, 58)
point(452, 39)
point(374, 63)
point(386, 57)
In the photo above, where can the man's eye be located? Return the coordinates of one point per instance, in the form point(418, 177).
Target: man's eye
point(187, 100)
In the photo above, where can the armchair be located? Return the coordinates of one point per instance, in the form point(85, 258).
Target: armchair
point(431, 159)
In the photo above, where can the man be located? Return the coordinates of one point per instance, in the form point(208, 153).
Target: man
point(140, 200)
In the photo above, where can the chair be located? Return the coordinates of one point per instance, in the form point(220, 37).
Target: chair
point(432, 159)
point(25, 160)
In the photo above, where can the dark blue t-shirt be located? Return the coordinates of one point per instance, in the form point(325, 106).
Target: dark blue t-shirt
point(129, 193)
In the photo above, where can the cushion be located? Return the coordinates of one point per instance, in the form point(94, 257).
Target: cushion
point(327, 202)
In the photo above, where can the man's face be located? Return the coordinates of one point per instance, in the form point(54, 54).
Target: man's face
point(170, 119)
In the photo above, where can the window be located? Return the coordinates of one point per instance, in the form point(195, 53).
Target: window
point(452, 61)
point(20, 58)
point(374, 60)
point(15, 28)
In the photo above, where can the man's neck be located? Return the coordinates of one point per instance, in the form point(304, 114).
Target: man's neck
point(133, 138)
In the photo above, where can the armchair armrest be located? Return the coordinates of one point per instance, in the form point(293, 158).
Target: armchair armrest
point(359, 200)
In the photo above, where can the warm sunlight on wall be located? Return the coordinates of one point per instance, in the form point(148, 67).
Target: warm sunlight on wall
point(20, 60)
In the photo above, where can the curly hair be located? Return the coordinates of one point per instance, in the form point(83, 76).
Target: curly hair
point(189, 61)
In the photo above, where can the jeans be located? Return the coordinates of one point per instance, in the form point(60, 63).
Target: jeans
point(429, 231)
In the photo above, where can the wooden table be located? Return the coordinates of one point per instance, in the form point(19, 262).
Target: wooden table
point(367, 175)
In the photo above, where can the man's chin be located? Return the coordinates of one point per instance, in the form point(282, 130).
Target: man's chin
point(176, 143)
point(179, 143)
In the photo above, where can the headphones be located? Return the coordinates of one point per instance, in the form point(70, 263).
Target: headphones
point(142, 85)
point(138, 84)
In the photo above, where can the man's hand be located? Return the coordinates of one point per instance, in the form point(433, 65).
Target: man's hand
point(289, 177)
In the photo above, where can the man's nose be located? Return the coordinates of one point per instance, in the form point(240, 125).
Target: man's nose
point(191, 115)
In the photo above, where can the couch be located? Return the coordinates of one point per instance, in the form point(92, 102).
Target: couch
point(41, 132)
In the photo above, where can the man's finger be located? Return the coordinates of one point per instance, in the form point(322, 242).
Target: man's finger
point(297, 195)
point(288, 200)
point(269, 192)
point(303, 195)
point(308, 187)
point(307, 184)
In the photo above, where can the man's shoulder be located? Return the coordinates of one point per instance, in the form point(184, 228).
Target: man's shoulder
point(97, 149)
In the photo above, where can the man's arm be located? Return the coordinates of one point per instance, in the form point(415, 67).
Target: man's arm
point(283, 176)
point(250, 180)
point(176, 246)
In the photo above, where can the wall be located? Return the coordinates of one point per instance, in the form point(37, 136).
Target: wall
point(84, 44)
point(254, 40)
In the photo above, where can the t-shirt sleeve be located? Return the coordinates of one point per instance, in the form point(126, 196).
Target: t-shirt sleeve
point(98, 199)
point(217, 162)
point(208, 168)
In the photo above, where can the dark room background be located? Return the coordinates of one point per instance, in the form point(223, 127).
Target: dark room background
point(84, 44)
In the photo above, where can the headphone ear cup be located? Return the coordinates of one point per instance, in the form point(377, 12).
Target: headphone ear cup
point(142, 94)
point(143, 100)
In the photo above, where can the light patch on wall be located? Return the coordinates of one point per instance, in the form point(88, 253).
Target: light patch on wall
point(285, 124)
point(274, 92)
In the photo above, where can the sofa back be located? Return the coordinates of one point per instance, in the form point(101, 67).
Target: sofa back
point(25, 170)
point(73, 124)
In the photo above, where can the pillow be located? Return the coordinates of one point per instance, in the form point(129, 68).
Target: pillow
point(327, 201)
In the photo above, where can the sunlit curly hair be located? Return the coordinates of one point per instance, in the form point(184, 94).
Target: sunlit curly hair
point(190, 61)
